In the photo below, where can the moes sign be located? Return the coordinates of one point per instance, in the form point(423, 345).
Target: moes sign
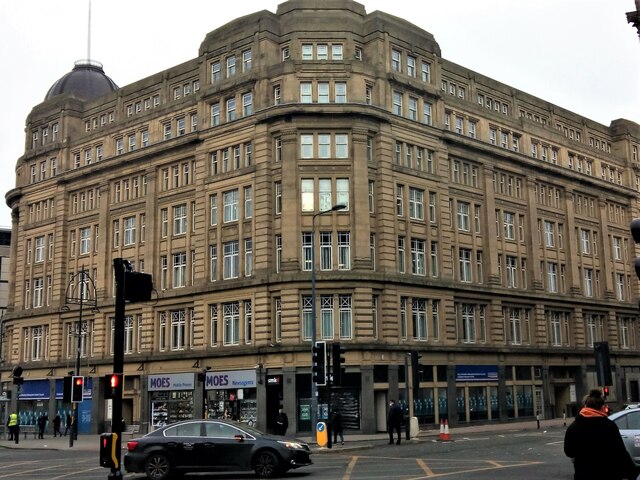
point(171, 381)
point(230, 379)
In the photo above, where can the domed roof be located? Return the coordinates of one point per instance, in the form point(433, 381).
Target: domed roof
point(86, 81)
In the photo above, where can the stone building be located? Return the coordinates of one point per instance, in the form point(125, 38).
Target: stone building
point(485, 229)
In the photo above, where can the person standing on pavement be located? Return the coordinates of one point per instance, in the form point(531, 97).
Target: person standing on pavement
point(12, 425)
point(282, 423)
point(57, 422)
point(594, 444)
point(336, 426)
point(42, 423)
point(394, 421)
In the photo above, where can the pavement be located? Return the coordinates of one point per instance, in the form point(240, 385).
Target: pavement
point(91, 442)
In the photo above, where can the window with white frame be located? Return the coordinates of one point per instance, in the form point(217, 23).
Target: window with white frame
point(509, 225)
point(129, 230)
point(401, 254)
point(464, 257)
point(178, 329)
point(307, 259)
point(231, 321)
point(416, 203)
point(306, 317)
point(180, 219)
point(344, 251)
point(463, 216)
point(419, 319)
point(230, 202)
point(179, 269)
point(552, 277)
point(418, 259)
point(345, 317)
point(231, 260)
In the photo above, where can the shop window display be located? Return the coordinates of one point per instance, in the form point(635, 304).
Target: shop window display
point(170, 406)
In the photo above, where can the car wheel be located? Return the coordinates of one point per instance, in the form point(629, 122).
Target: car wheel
point(266, 464)
point(157, 467)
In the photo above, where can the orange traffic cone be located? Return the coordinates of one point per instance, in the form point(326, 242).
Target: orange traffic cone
point(446, 437)
point(441, 437)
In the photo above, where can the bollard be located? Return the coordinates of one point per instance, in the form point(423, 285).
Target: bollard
point(538, 420)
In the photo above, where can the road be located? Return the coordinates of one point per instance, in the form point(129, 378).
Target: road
point(525, 455)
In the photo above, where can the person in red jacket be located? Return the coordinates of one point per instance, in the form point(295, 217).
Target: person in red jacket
point(594, 444)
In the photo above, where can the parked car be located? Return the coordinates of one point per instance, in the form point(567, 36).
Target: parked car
point(628, 422)
point(213, 446)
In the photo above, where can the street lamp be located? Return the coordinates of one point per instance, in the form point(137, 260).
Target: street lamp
point(81, 291)
point(314, 387)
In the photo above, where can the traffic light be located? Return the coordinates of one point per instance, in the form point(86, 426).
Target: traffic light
point(77, 387)
point(66, 389)
point(108, 455)
point(16, 373)
point(603, 363)
point(336, 361)
point(415, 369)
point(113, 385)
point(319, 361)
point(137, 287)
point(605, 392)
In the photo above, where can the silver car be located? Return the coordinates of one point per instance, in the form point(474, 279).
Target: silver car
point(628, 422)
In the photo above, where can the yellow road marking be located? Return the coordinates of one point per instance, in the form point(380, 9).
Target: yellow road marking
point(425, 467)
point(71, 474)
point(350, 467)
point(12, 475)
point(479, 469)
point(499, 465)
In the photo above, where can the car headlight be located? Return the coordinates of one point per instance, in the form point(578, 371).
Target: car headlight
point(293, 445)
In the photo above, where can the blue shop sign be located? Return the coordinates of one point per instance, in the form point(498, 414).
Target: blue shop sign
point(476, 373)
point(35, 390)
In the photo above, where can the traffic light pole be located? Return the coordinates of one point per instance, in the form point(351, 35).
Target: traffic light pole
point(74, 405)
point(118, 362)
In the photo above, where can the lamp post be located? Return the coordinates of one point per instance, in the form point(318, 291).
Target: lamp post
point(81, 291)
point(314, 387)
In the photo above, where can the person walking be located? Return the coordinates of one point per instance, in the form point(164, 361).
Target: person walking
point(394, 421)
point(336, 427)
point(42, 423)
point(594, 444)
point(67, 425)
point(282, 423)
point(57, 422)
point(12, 425)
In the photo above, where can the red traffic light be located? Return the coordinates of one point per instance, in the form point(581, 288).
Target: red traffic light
point(115, 381)
point(77, 387)
point(605, 392)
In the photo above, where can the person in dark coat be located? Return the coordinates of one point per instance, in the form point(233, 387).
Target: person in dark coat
point(336, 427)
point(57, 422)
point(42, 423)
point(67, 425)
point(594, 444)
point(394, 421)
point(282, 423)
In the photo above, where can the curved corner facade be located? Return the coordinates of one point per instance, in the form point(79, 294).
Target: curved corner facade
point(485, 231)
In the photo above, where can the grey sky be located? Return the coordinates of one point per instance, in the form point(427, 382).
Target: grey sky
point(579, 54)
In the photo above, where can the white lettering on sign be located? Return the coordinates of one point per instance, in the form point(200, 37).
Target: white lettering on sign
point(230, 379)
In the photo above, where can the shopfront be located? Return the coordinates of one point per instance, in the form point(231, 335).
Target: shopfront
point(35, 400)
point(232, 394)
point(171, 398)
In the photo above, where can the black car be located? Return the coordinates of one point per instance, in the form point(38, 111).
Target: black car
point(213, 446)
